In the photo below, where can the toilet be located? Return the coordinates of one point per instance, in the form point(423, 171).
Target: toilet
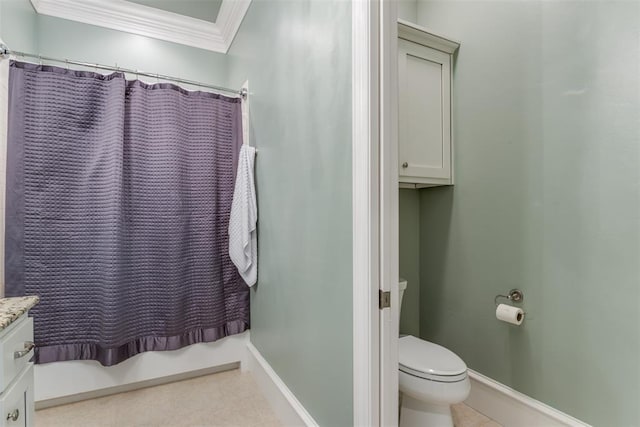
point(431, 379)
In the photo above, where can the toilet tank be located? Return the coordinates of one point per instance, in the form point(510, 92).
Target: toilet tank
point(402, 285)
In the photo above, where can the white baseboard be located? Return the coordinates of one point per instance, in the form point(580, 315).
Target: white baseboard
point(512, 408)
point(283, 402)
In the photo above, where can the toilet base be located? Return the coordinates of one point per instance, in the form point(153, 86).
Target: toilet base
point(416, 413)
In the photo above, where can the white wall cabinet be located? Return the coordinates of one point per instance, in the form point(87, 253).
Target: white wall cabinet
point(424, 123)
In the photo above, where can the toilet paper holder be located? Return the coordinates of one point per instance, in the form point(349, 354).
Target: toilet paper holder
point(514, 295)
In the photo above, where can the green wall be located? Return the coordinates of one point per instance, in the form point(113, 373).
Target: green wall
point(546, 120)
point(407, 10)
point(88, 43)
point(18, 25)
point(409, 220)
point(297, 58)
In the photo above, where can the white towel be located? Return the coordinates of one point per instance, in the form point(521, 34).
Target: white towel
point(243, 240)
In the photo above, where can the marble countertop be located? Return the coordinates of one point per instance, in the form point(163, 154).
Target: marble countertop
point(12, 308)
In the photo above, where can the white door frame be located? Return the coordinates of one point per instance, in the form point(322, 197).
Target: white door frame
point(389, 206)
point(365, 140)
point(375, 212)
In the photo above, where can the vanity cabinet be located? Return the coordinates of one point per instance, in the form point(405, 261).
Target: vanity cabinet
point(16, 371)
point(424, 107)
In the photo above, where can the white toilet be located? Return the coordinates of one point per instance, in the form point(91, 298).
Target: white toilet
point(432, 378)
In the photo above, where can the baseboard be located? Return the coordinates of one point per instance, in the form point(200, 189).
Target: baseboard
point(283, 402)
point(512, 408)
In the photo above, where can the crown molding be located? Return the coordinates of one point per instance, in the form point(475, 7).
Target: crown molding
point(147, 21)
point(230, 17)
point(421, 35)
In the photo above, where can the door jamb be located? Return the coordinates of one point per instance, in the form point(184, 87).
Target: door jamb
point(375, 211)
point(365, 142)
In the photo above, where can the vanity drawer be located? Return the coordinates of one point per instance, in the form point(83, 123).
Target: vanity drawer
point(16, 402)
point(15, 349)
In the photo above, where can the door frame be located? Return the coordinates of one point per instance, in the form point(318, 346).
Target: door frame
point(375, 212)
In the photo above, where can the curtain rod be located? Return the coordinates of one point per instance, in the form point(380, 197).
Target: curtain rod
point(5, 53)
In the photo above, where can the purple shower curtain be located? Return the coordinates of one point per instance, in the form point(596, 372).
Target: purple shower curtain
point(118, 201)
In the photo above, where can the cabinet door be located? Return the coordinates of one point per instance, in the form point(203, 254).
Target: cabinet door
point(14, 349)
point(16, 402)
point(425, 114)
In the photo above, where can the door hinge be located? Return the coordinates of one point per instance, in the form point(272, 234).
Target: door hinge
point(385, 299)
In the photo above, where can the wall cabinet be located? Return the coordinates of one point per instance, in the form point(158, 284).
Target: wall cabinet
point(424, 107)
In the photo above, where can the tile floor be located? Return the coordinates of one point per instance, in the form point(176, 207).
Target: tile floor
point(464, 416)
point(228, 398)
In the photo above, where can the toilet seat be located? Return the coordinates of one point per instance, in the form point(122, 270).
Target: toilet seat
point(436, 378)
point(429, 361)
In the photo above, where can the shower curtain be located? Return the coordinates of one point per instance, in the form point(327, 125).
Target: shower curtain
point(118, 202)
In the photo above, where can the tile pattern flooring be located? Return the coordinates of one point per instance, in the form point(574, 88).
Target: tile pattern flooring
point(464, 416)
point(228, 398)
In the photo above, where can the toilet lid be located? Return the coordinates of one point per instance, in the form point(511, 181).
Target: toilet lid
point(428, 360)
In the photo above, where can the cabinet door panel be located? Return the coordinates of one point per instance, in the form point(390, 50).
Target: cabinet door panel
point(18, 340)
point(16, 402)
point(424, 109)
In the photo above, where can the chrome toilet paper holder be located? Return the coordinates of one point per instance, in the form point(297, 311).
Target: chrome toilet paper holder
point(514, 295)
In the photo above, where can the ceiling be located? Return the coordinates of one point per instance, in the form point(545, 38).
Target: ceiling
point(206, 10)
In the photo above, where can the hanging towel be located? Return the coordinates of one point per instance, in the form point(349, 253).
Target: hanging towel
point(243, 241)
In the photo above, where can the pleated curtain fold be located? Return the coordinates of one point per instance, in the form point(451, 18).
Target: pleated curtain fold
point(118, 202)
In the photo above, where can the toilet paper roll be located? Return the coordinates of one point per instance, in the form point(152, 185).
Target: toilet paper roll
point(510, 314)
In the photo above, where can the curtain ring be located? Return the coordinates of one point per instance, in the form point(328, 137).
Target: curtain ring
point(66, 61)
point(157, 78)
point(40, 59)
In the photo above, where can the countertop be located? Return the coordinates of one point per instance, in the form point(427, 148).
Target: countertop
point(12, 308)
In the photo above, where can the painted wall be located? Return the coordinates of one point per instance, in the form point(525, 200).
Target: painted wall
point(546, 113)
point(88, 43)
point(18, 25)
point(409, 220)
point(408, 10)
point(297, 58)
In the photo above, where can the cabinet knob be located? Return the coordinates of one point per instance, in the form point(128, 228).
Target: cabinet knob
point(13, 416)
point(28, 346)
point(405, 165)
